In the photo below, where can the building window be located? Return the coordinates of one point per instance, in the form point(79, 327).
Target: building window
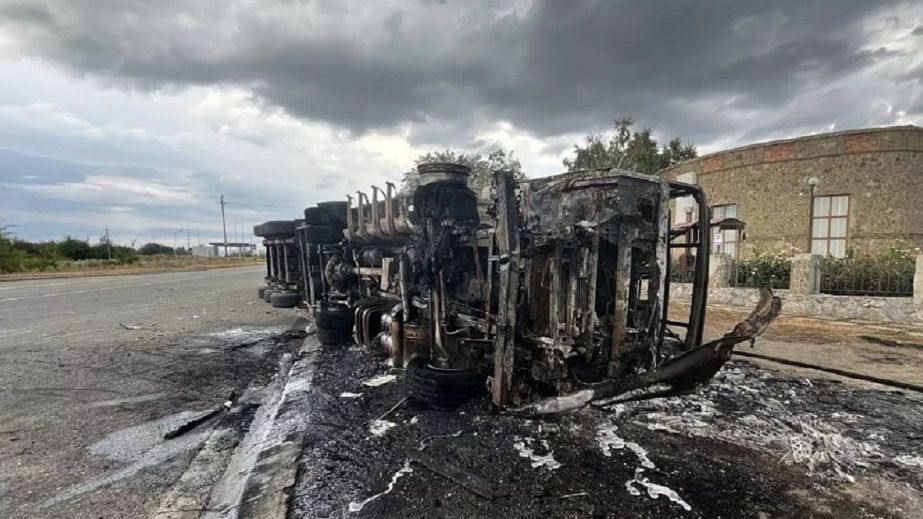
point(828, 225)
point(724, 241)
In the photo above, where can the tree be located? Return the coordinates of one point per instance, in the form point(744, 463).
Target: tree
point(623, 148)
point(482, 168)
point(151, 248)
point(12, 259)
point(72, 248)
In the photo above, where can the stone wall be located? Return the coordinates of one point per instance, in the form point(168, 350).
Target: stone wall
point(881, 170)
point(866, 308)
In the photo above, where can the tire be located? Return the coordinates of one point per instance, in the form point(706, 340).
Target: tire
point(335, 318)
point(334, 326)
point(334, 213)
point(320, 234)
point(334, 336)
point(285, 299)
point(438, 387)
point(267, 294)
point(278, 228)
point(314, 216)
point(262, 292)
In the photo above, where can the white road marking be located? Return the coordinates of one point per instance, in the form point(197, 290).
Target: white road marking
point(56, 294)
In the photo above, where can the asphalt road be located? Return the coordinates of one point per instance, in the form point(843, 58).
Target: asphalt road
point(93, 370)
point(44, 312)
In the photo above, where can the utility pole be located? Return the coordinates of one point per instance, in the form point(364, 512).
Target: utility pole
point(224, 226)
point(108, 244)
point(188, 247)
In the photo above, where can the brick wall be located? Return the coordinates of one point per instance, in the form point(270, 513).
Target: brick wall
point(881, 170)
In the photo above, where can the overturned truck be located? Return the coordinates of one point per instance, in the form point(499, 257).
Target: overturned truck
point(547, 293)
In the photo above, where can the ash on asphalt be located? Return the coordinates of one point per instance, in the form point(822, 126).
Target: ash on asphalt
point(632, 460)
point(128, 457)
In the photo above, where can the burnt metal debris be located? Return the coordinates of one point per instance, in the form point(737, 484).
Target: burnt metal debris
point(547, 293)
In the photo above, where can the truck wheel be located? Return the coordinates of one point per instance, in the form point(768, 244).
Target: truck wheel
point(267, 294)
point(334, 326)
point(321, 233)
point(442, 387)
point(285, 299)
point(278, 228)
point(262, 292)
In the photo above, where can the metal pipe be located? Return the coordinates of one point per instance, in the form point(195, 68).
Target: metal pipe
point(350, 233)
point(376, 218)
point(286, 277)
point(397, 337)
point(700, 281)
point(389, 210)
point(404, 274)
point(268, 260)
point(363, 232)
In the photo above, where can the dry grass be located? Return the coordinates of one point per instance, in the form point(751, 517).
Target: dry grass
point(145, 264)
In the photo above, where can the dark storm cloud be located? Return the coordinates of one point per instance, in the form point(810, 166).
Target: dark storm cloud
point(552, 68)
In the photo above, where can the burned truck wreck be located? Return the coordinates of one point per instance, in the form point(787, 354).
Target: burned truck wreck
point(546, 293)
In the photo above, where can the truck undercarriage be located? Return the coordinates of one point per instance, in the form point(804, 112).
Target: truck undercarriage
point(547, 293)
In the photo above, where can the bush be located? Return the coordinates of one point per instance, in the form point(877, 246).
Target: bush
point(75, 249)
point(772, 269)
point(888, 273)
point(149, 249)
point(12, 259)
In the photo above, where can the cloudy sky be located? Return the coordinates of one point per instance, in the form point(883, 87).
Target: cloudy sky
point(138, 114)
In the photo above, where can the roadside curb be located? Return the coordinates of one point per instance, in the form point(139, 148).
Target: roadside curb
point(268, 488)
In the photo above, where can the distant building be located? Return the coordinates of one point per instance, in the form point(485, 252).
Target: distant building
point(233, 248)
point(205, 251)
point(828, 193)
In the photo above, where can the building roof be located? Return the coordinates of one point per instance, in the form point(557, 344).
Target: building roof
point(816, 136)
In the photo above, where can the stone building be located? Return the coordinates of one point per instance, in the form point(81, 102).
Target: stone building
point(828, 193)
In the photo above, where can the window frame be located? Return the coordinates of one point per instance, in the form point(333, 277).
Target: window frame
point(736, 240)
point(829, 218)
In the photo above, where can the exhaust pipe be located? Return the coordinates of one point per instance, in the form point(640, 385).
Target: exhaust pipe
point(376, 218)
point(389, 210)
point(350, 227)
point(363, 231)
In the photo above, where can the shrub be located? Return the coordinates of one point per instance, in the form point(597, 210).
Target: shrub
point(12, 259)
point(75, 249)
point(772, 269)
point(888, 273)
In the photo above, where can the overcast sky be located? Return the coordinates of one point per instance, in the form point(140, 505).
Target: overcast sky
point(138, 114)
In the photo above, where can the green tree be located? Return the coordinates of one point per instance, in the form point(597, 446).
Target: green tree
point(624, 148)
point(151, 248)
point(482, 167)
point(12, 259)
point(74, 249)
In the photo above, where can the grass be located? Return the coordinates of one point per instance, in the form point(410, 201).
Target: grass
point(154, 263)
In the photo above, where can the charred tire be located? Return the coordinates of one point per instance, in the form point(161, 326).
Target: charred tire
point(285, 299)
point(334, 213)
point(267, 294)
point(314, 216)
point(334, 326)
point(442, 387)
point(330, 336)
point(262, 292)
point(320, 233)
point(279, 228)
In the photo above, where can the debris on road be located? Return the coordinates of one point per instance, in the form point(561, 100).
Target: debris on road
point(380, 380)
point(356, 506)
point(451, 471)
point(380, 427)
point(523, 446)
point(138, 326)
point(348, 394)
point(841, 436)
